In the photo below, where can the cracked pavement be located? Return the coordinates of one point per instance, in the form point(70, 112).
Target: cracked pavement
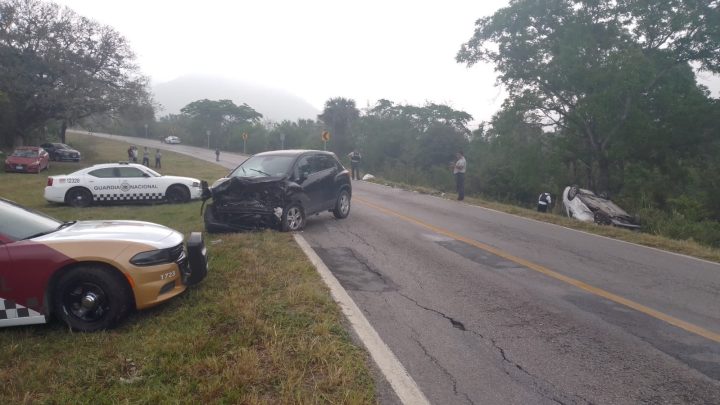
point(474, 328)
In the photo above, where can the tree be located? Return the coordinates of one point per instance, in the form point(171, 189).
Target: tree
point(219, 117)
point(585, 67)
point(339, 114)
point(57, 65)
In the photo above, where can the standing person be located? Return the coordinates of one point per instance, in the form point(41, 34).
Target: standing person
point(459, 172)
point(355, 158)
point(217, 154)
point(158, 156)
point(130, 153)
point(544, 201)
point(134, 154)
point(146, 157)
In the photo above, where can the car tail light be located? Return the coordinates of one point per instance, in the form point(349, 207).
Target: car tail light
point(50, 181)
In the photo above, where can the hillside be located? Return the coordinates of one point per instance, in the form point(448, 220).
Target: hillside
point(273, 104)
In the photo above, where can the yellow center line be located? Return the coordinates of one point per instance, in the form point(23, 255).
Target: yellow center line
point(692, 328)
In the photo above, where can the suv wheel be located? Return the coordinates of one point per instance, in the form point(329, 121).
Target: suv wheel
point(293, 218)
point(342, 205)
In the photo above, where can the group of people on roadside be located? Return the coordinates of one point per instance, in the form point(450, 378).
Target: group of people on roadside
point(133, 156)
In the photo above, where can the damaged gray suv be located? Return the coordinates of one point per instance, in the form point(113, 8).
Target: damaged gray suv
point(278, 190)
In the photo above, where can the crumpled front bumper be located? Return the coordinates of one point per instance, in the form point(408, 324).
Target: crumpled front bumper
point(194, 267)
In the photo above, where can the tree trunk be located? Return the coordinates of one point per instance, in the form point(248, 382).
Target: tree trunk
point(603, 176)
point(63, 129)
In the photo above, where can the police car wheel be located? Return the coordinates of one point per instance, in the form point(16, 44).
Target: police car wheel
point(177, 194)
point(78, 197)
point(91, 298)
point(342, 205)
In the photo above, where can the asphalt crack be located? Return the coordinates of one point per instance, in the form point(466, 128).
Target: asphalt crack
point(444, 370)
point(361, 239)
point(454, 322)
point(542, 387)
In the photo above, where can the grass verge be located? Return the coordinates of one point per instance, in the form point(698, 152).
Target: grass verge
point(686, 247)
point(261, 328)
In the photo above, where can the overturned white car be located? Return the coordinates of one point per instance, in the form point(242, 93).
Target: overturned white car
point(585, 206)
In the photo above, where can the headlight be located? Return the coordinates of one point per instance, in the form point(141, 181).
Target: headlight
point(152, 257)
point(196, 184)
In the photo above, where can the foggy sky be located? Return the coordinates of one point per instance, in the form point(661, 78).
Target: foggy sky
point(399, 50)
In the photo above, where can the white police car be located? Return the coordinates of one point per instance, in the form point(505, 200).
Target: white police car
point(120, 182)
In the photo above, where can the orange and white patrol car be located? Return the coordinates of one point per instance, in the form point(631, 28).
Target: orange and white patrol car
point(89, 274)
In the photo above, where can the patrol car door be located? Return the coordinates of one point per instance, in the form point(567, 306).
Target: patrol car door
point(136, 185)
point(21, 295)
point(101, 182)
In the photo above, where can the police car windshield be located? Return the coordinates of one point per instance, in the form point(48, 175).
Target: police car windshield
point(152, 172)
point(19, 223)
point(264, 166)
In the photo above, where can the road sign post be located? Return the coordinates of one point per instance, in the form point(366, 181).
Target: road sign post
point(325, 137)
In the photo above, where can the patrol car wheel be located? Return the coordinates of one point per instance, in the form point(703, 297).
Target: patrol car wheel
point(293, 218)
point(78, 197)
point(342, 205)
point(91, 298)
point(177, 194)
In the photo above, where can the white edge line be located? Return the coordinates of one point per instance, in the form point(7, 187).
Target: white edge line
point(401, 382)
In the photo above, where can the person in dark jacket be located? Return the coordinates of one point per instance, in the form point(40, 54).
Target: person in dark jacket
point(355, 158)
point(544, 201)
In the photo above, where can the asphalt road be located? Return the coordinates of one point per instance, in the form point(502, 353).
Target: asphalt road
point(483, 307)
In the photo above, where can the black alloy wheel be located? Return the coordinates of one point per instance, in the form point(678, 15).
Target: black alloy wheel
point(79, 197)
point(90, 298)
point(177, 194)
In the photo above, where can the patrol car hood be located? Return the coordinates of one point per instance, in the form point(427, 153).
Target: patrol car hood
point(131, 231)
point(182, 179)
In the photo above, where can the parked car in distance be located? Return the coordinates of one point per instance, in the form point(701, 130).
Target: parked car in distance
point(89, 274)
point(61, 152)
point(585, 206)
point(171, 139)
point(278, 190)
point(120, 182)
point(27, 159)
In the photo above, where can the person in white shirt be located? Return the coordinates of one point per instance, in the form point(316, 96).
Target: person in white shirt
point(459, 172)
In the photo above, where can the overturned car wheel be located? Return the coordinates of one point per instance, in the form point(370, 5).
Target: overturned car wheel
point(293, 218)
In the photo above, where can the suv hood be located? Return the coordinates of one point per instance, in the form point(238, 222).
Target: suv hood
point(129, 231)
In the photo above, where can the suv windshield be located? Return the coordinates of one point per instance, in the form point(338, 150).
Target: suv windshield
point(264, 166)
point(18, 223)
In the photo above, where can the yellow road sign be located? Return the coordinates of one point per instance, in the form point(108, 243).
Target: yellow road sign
point(326, 136)
point(245, 135)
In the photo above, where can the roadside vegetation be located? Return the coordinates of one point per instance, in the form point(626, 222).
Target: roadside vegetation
point(618, 112)
point(260, 329)
point(556, 216)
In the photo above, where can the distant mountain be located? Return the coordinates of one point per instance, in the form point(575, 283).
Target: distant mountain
point(273, 104)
